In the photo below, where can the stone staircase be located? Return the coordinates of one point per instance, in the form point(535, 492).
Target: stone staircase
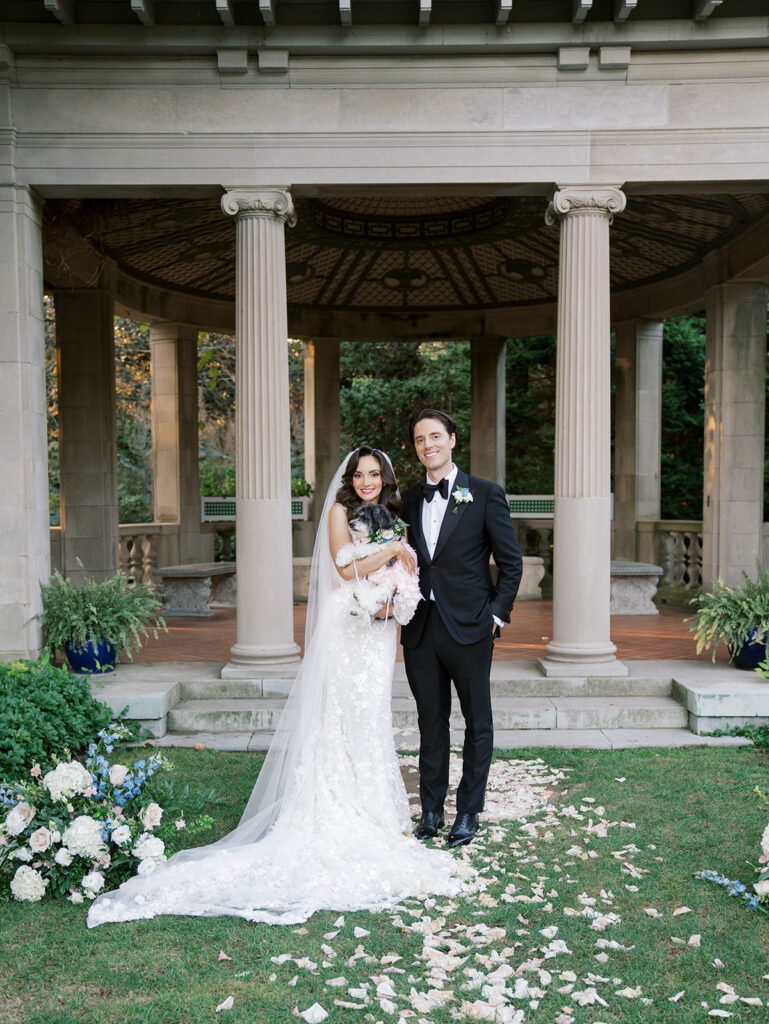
point(654, 705)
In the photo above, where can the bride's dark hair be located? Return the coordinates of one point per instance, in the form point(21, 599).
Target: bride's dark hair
point(346, 495)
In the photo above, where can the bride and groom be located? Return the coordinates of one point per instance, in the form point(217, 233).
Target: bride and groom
point(327, 825)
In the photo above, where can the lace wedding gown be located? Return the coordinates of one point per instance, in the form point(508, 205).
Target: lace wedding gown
point(337, 835)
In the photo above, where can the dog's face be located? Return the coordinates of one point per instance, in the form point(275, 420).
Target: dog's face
point(369, 517)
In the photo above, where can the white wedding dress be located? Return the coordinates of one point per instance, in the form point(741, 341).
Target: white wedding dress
point(327, 826)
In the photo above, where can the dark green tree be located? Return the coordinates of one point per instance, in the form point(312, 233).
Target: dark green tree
point(683, 382)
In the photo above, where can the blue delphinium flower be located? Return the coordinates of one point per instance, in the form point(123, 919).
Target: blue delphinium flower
point(734, 886)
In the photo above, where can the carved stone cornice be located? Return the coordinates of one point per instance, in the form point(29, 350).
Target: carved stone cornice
point(260, 202)
point(605, 200)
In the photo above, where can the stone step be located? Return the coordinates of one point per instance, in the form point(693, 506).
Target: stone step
point(504, 739)
point(262, 714)
point(502, 685)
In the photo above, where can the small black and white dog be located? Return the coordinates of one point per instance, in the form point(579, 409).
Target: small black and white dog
point(373, 526)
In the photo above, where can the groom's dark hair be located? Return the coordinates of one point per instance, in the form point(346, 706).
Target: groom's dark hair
point(432, 414)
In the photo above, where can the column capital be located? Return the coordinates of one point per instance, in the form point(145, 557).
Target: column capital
point(260, 202)
point(605, 200)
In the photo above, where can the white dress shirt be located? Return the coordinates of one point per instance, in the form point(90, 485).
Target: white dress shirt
point(433, 513)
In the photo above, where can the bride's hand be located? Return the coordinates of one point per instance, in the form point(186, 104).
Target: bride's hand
point(406, 556)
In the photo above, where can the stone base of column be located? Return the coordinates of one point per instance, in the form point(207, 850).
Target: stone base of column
point(589, 660)
point(246, 661)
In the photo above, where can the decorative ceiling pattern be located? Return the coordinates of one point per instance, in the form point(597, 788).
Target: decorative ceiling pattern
point(396, 255)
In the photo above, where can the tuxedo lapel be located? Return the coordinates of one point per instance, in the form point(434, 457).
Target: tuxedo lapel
point(417, 536)
point(453, 514)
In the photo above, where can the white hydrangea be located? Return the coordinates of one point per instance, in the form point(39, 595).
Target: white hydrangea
point(23, 853)
point(84, 838)
point(28, 884)
point(75, 897)
point(121, 835)
point(148, 847)
point(765, 841)
point(67, 780)
point(149, 864)
point(93, 883)
point(63, 857)
point(19, 818)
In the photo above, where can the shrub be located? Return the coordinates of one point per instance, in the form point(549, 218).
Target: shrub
point(45, 712)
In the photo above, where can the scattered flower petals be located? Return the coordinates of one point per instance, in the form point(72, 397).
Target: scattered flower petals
point(695, 940)
point(360, 933)
point(223, 955)
point(681, 910)
point(314, 1014)
point(652, 912)
point(677, 996)
point(228, 1003)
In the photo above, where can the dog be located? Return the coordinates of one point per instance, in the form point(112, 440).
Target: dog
point(392, 584)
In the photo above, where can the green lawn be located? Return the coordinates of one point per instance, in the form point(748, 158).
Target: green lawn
point(692, 809)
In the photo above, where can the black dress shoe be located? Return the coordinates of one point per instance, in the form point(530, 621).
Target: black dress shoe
point(463, 830)
point(430, 824)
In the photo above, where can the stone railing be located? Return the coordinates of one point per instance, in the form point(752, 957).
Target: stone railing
point(676, 546)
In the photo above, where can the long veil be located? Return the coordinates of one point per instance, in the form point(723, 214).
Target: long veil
point(295, 728)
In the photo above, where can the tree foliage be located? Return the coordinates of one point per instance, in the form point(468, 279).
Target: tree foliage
point(683, 369)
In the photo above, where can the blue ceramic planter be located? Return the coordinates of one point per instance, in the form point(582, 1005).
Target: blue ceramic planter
point(96, 659)
point(752, 652)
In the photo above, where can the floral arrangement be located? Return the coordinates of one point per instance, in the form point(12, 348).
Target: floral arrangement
point(396, 532)
point(461, 496)
point(759, 899)
point(83, 828)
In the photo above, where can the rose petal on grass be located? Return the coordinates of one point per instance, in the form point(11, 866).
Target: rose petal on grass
point(228, 1003)
point(223, 955)
point(681, 910)
point(293, 981)
point(720, 963)
point(652, 912)
point(719, 1013)
point(360, 933)
point(314, 1014)
point(695, 940)
point(677, 996)
point(751, 1001)
point(336, 982)
point(198, 746)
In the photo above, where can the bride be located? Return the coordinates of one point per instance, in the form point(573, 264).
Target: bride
point(327, 825)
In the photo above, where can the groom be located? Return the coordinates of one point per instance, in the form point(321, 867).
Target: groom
point(455, 522)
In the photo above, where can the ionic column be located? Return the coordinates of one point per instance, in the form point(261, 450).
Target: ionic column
point(735, 369)
point(321, 417)
point(175, 489)
point(25, 550)
point(85, 341)
point(582, 530)
point(263, 464)
point(637, 427)
point(487, 408)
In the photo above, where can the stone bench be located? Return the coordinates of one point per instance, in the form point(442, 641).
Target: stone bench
point(193, 589)
point(633, 586)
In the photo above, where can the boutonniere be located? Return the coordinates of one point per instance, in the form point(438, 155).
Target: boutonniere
point(461, 496)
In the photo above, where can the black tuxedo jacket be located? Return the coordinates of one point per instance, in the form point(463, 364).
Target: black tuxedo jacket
point(458, 573)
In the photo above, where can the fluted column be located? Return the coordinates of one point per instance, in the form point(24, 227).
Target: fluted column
point(637, 433)
point(174, 411)
point(487, 408)
point(735, 393)
point(581, 644)
point(25, 547)
point(85, 340)
point(263, 466)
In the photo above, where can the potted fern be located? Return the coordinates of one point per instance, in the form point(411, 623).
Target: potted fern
point(95, 621)
point(738, 616)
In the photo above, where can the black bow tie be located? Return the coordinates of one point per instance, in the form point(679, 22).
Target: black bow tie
point(428, 490)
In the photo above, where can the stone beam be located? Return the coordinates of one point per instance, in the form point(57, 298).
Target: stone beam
point(225, 12)
point(144, 11)
point(504, 10)
point(623, 9)
point(267, 11)
point(580, 10)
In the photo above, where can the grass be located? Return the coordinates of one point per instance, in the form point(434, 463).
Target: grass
point(693, 809)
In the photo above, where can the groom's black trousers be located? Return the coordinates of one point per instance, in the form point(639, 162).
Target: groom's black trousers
point(431, 666)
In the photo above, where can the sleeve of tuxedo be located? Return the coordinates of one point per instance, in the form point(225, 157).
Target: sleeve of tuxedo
point(507, 553)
